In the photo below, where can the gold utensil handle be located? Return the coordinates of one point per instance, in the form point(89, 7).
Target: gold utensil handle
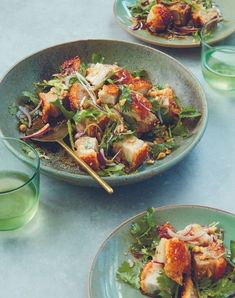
point(86, 167)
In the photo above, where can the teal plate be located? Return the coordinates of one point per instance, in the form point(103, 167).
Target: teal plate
point(103, 282)
point(161, 68)
point(123, 17)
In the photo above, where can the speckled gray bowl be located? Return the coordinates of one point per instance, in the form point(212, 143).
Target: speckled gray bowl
point(160, 67)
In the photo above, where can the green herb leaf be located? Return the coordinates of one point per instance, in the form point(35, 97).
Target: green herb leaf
point(125, 99)
point(31, 96)
point(12, 109)
point(232, 250)
point(67, 114)
point(180, 130)
point(189, 112)
point(83, 68)
point(139, 73)
point(130, 275)
point(224, 287)
point(117, 170)
point(155, 149)
point(138, 10)
point(167, 287)
point(97, 58)
point(91, 113)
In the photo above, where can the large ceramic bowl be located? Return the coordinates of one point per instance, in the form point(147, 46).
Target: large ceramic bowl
point(160, 67)
point(103, 282)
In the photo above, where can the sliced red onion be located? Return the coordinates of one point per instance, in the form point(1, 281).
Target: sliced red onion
point(157, 262)
point(38, 134)
point(79, 134)
point(37, 107)
point(186, 238)
point(26, 113)
point(185, 231)
point(101, 159)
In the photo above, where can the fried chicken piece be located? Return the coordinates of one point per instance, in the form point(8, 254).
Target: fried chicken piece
point(159, 18)
point(201, 16)
point(124, 77)
point(109, 94)
point(163, 230)
point(96, 74)
point(189, 290)
point(70, 66)
point(209, 261)
point(132, 151)
point(48, 109)
point(76, 94)
point(141, 86)
point(148, 278)
point(178, 260)
point(87, 149)
point(181, 13)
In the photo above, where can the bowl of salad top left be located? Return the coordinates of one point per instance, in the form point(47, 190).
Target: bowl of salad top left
point(131, 111)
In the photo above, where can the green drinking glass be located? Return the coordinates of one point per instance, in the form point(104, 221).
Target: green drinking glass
point(19, 183)
point(218, 54)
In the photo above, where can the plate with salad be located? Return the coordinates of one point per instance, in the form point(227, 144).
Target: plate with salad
point(128, 116)
point(173, 23)
point(169, 252)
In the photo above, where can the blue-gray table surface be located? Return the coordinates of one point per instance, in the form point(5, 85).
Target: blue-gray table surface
point(51, 256)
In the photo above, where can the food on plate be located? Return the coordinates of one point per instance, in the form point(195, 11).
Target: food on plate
point(188, 263)
point(117, 118)
point(172, 17)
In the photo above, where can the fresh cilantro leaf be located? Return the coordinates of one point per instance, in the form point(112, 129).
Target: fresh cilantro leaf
point(139, 73)
point(83, 68)
point(207, 3)
point(189, 112)
point(91, 113)
point(144, 235)
point(125, 99)
point(155, 149)
point(117, 170)
point(167, 287)
point(130, 275)
point(232, 250)
point(180, 130)
point(223, 288)
point(97, 58)
point(158, 86)
point(138, 10)
point(12, 109)
point(155, 105)
point(31, 96)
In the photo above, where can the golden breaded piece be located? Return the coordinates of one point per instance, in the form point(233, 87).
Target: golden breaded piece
point(148, 278)
point(181, 13)
point(132, 151)
point(76, 94)
point(93, 128)
point(178, 260)
point(209, 262)
point(124, 77)
point(158, 18)
point(109, 94)
point(86, 149)
point(97, 73)
point(48, 109)
point(141, 86)
point(201, 16)
point(70, 66)
point(189, 290)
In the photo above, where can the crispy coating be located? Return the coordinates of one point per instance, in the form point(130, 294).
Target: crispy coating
point(109, 94)
point(148, 278)
point(70, 66)
point(91, 159)
point(141, 86)
point(86, 149)
point(76, 94)
point(181, 13)
point(209, 262)
point(48, 109)
point(132, 151)
point(178, 260)
point(124, 77)
point(158, 18)
point(189, 291)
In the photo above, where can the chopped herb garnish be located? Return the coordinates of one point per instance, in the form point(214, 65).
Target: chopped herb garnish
point(12, 109)
point(189, 112)
point(167, 287)
point(97, 58)
point(117, 170)
point(130, 274)
point(125, 99)
point(31, 96)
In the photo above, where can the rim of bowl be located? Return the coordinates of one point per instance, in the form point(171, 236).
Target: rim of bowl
point(132, 178)
point(37, 161)
point(130, 219)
